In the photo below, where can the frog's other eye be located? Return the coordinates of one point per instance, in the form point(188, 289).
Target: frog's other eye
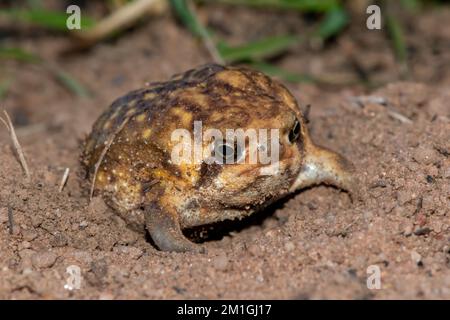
point(227, 153)
point(295, 132)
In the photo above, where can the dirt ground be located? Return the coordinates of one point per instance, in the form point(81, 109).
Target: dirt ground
point(316, 244)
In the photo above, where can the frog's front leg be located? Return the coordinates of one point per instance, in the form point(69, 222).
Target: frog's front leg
point(164, 228)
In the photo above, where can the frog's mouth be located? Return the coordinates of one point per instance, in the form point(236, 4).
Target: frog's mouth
point(322, 166)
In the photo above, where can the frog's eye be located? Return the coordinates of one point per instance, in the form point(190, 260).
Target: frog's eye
point(227, 153)
point(295, 132)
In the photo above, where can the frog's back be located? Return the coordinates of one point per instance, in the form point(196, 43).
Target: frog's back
point(154, 99)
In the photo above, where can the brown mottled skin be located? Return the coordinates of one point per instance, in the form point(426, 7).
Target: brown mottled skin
point(130, 145)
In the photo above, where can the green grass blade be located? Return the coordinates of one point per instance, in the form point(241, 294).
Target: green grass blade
point(334, 22)
point(411, 5)
point(258, 50)
point(188, 18)
point(70, 83)
point(396, 34)
point(299, 5)
point(52, 20)
point(275, 71)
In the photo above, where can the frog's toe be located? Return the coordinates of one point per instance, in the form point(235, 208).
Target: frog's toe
point(165, 231)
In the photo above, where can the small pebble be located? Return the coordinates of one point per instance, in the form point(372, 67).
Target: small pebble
point(220, 262)
point(422, 231)
point(27, 271)
point(424, 154)
point(36, 220)
point(44, 259)
point(83, 224)
point(254, 249)
point(289, 246)
point(408, 230)
point(29, 235)
point(416, 257)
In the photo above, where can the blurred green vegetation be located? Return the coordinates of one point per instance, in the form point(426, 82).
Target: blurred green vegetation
point(19, 54)
point(52, 20)
point(257, 50)
point(331, 17)
point(335, 19)
point(299, 5)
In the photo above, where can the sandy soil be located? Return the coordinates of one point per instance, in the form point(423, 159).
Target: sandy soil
point(316, 244)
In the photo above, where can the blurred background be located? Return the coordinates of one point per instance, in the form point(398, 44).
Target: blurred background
point(323, 42)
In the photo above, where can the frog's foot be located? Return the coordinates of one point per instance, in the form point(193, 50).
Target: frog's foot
point(324, 166)
point(164, 228)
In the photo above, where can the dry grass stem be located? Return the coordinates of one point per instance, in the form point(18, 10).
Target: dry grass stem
point(8, 124)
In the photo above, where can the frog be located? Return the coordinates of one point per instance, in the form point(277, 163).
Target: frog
point(128, 157)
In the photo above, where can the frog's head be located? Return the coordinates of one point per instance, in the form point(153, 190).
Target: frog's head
point(255, 143)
